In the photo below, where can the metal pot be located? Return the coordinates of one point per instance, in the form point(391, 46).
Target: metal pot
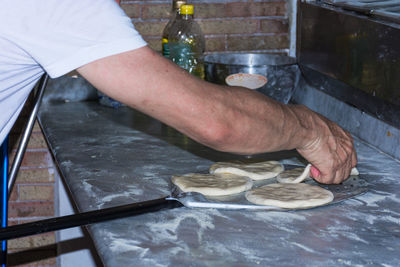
point(281, 71)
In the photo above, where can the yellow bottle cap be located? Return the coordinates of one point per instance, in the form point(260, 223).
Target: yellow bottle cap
point(187, 9)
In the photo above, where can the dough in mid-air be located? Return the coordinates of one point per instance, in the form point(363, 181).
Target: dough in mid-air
point(294, 176)
point(212, 185)
point(256, 171)
point(290, 196)
point(298, 175)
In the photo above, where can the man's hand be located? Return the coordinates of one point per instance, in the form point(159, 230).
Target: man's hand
point(330, 150)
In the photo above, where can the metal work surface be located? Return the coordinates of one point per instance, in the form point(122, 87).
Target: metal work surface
point(111, 157)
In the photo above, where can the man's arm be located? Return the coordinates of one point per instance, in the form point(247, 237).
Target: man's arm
point(231, 119)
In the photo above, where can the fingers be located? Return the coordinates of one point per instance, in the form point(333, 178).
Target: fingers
point(339, 168)
point(330, 150)
point(315, 173)
point(343, 173)
point(337, 161)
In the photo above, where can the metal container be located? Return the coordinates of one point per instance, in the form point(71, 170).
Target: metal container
point(281, 71)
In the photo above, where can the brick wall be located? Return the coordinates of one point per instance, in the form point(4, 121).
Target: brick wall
point(228, 26)
point(32, 198)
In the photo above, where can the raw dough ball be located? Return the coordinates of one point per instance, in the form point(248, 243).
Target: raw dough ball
point(212, 185)
point(290, 196)
point(294, 176)
point(255, 171)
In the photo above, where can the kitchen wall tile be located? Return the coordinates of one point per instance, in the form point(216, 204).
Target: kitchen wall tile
point(243, 43)
point(35, 192)
point(214, 44)
point(30, 209)
point(132, 10)
point(260, 9)
point(35, 175)
point(228, 26)
point(274, 26)
point(156, 11)
point(32, 241)
point(150, 28)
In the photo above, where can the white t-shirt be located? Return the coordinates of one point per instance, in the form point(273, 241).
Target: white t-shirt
point(56, 37)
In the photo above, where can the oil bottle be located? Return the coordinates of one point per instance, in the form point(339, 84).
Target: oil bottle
point(186, 42)
point(175, 12)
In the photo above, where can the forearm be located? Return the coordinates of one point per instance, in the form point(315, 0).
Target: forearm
point(230, 119)
point(258, 124)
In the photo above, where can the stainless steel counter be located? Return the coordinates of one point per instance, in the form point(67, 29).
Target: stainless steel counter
point(111, 157)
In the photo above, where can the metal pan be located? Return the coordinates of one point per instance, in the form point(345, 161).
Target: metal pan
point(350, 188)
point(281, 71)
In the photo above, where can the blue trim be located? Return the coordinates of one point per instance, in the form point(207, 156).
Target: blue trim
point(4, 198)
point(4, 184)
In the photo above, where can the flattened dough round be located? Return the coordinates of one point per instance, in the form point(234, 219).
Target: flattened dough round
point(212, 185)
point(256, 171)
point(290, 196)
point(294, 176)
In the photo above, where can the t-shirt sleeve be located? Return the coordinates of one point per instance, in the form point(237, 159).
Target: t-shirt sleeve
point(64, 35)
